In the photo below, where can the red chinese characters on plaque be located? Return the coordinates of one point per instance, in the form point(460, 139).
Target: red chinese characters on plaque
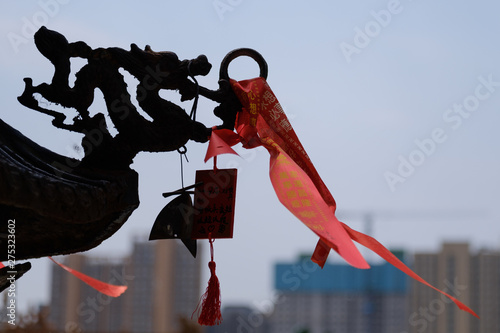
point(214, 204)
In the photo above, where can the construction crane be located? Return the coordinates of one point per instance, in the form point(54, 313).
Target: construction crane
point(370, 216)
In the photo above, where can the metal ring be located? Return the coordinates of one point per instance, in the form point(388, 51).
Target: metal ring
point(182, 150)
point(223, 74)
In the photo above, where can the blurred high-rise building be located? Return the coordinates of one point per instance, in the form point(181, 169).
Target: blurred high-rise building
point(163, 283)
point(339, 298)
point(473, 278)
point(241, 319)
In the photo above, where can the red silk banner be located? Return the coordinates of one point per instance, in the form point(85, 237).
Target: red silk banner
point(296, 182)
point(379, 249)
point(263, 120)
point(298, 194)
point(102, 287)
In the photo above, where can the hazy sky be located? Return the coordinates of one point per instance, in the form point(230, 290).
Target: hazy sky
point(396, 102)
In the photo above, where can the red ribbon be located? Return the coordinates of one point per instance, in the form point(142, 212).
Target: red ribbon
point(296, 182)
point(102, 287)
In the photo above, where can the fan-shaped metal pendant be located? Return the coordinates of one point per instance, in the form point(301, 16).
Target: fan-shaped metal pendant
point(175, 220)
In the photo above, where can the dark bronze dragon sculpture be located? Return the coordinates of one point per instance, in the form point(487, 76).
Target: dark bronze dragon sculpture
point(61, 205)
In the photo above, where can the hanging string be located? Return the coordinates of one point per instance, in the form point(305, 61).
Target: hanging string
point(192, 115)
point(211, 241)
point(182, 152)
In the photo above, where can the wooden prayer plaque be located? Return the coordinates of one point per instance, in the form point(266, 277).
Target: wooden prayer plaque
point(214, 203)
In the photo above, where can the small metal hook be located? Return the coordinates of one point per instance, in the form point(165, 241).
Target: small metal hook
point(182, 150)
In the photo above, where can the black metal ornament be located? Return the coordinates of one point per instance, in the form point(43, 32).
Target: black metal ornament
point(175, 220)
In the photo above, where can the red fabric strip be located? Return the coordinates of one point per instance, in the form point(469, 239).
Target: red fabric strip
point(102, 287)
point(298, 194)
point(263, 113)
point(262, 118)
point(320, 254)
point(298, 185)
point(379, 249)
point(221, 142)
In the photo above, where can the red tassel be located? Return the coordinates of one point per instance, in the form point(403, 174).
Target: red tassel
point(210, 301)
